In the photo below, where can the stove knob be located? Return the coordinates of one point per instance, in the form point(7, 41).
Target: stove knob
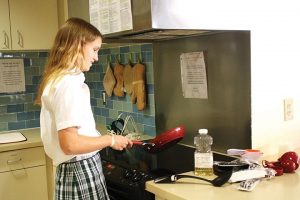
point(128, 173)
point(137, 177)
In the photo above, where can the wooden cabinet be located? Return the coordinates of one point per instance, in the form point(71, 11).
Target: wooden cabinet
point(23, 174)
point(27, 25)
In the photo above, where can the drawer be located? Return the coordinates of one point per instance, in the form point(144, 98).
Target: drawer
point(22, 158)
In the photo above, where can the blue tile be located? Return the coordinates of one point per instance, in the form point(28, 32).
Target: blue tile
point(109, 121)
point(146, 47)
point(25, 116)
point(109, 104)
point(36, 80)
point(93, 102)
point(43, 54)
point(97, 111)
point(37, 114)
point(150, 88)
point(149, 120)
point(27, 62)
point(150, 130)
point(15, 108)
point(105, 112)
point(124, 49)
point(33, 123)
point(97, 94)
point(16, 125)
point(31, 88)
point(104, 51)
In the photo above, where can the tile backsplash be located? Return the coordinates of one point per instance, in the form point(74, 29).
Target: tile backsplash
point(17, 110)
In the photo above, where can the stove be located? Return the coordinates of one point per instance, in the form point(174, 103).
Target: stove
point(126, 172)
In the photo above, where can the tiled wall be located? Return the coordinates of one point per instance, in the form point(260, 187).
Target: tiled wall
point(17, 111)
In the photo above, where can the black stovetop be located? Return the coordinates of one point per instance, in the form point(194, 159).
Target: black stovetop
point(178, 158)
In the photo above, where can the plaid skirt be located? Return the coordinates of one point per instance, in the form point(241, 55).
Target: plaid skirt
point(81, 180)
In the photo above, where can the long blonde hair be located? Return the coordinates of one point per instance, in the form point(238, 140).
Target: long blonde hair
point(66, 53)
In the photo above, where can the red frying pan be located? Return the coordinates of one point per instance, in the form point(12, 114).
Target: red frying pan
point(163, 140)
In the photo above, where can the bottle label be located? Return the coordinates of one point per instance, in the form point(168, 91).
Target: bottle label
point(203, 160)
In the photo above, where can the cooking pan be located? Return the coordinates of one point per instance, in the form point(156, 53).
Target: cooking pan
point(163, 140)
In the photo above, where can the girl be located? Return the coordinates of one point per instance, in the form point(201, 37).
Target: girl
point(68, 129)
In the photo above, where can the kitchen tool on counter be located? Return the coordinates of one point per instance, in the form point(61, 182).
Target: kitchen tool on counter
point(164, 140)
point(218, 181)
point(246, 154)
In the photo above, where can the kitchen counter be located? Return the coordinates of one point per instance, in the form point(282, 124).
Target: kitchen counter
point(277, 188)
point(33, 140)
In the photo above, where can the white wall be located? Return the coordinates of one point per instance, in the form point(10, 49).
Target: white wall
point(275, 61)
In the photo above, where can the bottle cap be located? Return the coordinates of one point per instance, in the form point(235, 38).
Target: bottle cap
point(202, 131)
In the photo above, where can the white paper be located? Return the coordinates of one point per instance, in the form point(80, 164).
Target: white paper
point(111, 16)
point(193, 75)
point(12, 78)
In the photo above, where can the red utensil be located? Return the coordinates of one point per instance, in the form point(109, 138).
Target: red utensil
point(163, 140)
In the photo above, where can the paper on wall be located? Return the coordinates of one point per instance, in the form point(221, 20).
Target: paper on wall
point(111, 16)
point(12, 78)
point(193, 75)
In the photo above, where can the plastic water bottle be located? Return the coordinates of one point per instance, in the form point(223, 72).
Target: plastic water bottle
point(203, 154)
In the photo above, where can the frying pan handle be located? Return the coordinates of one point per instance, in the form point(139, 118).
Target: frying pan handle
point(136, 142)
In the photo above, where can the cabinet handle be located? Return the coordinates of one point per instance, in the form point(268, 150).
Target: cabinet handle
point(20, 39)
point(10, 162)
point(6, 40)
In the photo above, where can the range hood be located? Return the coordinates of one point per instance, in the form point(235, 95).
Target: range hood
point(155, 20)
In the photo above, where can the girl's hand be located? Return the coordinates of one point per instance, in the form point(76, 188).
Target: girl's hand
point(120, 142)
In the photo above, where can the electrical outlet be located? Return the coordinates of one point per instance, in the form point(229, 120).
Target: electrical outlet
point(288, 109)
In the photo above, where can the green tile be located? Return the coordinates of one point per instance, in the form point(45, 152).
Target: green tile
point(3, 126)
point(4, 100)
point(32, 107)
point(127, 107)
point(113, 114)
point(97, 77)
point(149, 67)
point(3, 109)
point(150, 99)
point(100, 119)
point(9, 117)
point(100, 103)
point(88, 77)
point(149, 78)
point(35, 71)
point(140, 127)
point(118, 105)
point(38, 61)
point(135, 48)
point(103, 59)
point(115, 50)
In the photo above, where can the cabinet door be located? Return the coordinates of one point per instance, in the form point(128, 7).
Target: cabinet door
point(4, 25)
point(34, 23)
point(25, 184)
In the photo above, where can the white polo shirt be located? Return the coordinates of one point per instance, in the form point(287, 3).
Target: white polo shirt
point(68, 105)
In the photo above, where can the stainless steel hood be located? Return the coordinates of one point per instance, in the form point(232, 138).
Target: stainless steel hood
point(155, 20)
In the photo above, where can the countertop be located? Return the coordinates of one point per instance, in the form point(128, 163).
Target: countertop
point(286, 186)
point(32, 136)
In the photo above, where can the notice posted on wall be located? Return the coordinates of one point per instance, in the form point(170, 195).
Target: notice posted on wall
point(12, 77)
point(193, 75)
point(111, 16)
